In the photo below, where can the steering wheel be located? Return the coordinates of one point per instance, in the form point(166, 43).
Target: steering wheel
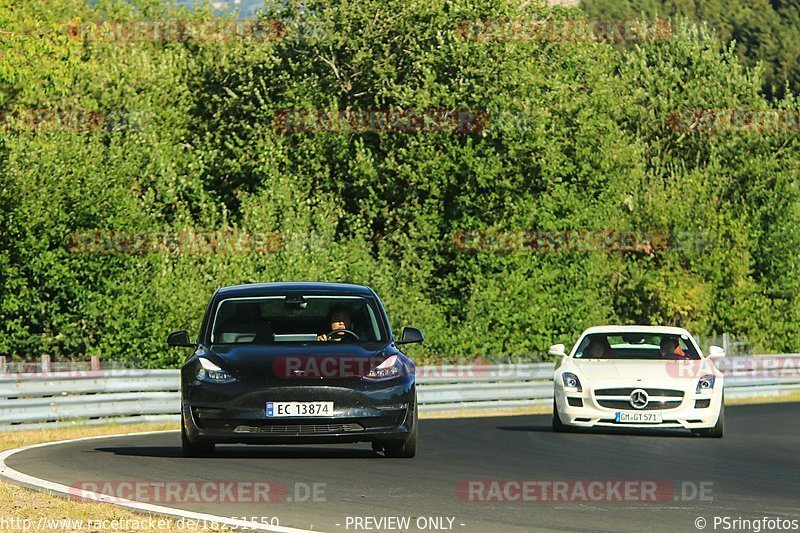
point(342, 331)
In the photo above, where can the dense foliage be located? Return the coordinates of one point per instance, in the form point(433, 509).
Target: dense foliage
point(580, 141)
point(766, 31)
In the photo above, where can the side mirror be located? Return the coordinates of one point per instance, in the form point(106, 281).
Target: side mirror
point(716, 352)
point(410, 335)
point(180, 339)
point(557, 350)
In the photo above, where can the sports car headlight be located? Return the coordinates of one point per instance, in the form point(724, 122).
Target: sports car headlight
point(705, 385)
point(210, 372)
point(391, 368)
point(571, 382)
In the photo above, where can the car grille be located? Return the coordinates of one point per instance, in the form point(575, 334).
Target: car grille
point(659, 399)
point(299, 429)
point(628, 391)
point(651, 406)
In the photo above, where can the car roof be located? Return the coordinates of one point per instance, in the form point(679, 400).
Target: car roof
point(305, 287)
point(669, 330)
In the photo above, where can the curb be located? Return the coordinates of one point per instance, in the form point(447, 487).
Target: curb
point(43, 484)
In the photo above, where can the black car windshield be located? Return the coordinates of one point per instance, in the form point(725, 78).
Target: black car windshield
point(297, 318)
point(647, 346)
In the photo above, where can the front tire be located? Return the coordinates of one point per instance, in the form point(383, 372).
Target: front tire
point(558, 425)
point(190, 448)
point(718, 429)
point(405, 449)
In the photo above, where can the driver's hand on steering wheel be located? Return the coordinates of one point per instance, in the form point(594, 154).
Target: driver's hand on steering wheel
point(330, 336)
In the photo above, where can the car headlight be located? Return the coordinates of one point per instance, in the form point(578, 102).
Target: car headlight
point(391, 368)
point(210, 372)
point(706, 384)
point(571, 382)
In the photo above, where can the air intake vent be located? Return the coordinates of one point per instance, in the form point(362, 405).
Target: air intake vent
point(299, 429)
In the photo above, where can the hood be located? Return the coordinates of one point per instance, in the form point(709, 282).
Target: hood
point(293, 361)
point(596, 370)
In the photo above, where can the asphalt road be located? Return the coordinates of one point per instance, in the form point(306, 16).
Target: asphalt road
point(753, 472)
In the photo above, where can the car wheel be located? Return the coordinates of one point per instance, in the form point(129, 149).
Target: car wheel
point(190, 448)
point(558, 425)
point(718, 429)
point(403, 449)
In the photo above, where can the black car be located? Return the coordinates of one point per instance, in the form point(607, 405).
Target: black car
point(297, 363)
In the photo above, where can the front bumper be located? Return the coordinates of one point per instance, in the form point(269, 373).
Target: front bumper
point(685, 415)
point(236, 413)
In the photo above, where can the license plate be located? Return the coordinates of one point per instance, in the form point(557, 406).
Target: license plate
point(638, 418)
point(278, 409)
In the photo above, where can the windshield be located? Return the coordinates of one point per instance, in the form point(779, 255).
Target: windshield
point(296, 318)
point(648, 346)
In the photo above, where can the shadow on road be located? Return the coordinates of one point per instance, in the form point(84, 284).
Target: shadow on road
point(536, 429)
point(641, 432)
point(241, 452)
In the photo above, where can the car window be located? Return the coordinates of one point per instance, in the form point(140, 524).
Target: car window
point(636, 346)
point(293, 318)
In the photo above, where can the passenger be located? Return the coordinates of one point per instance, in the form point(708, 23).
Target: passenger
point(670, 347)
point(598, 348)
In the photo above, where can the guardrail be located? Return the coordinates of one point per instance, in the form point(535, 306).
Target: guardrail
point(91, 397)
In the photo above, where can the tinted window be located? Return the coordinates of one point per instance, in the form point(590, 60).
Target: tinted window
point(294, 318)
point(636, 346)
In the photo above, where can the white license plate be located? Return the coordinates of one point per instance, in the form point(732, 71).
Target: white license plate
point(278, 409)
point(638, 418)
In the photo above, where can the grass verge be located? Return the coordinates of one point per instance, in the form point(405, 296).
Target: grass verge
point(23, 509)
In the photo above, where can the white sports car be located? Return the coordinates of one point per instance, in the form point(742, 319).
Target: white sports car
point(638, 376)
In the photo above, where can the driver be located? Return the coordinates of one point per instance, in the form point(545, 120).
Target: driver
point(669, 346)
point(339, 318)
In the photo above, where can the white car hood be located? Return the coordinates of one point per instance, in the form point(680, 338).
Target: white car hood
point(598, 371)
point(608, 369)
